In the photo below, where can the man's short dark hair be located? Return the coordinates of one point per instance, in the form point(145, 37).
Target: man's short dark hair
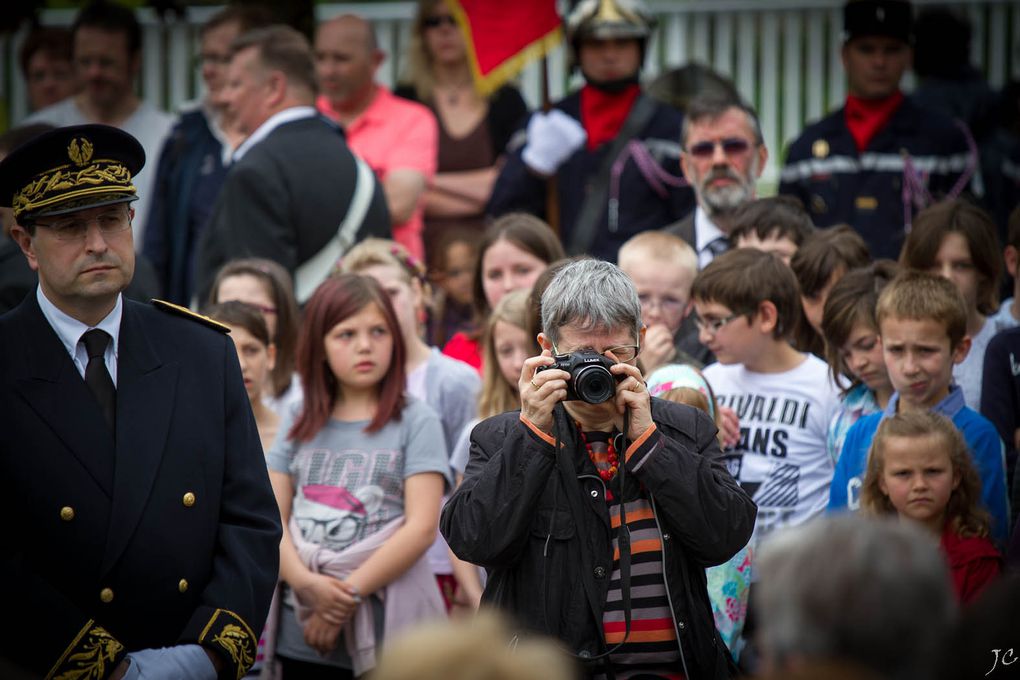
point(281, 48)
point(111, 17)
point(52, 40)
point(247, 18)
point(711, 107)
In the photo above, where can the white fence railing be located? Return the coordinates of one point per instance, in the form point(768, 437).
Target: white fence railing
point(783, 55)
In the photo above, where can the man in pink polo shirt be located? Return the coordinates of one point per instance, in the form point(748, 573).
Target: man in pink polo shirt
point(396, 137)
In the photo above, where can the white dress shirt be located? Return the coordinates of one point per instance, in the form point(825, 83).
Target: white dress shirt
point(70, 330)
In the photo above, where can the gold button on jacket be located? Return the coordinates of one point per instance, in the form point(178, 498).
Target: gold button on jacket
point(189, 499)
point(183, 585)
point(67, 513)
point(106, 595)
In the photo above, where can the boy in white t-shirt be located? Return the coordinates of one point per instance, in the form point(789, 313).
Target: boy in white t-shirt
point(747, 305)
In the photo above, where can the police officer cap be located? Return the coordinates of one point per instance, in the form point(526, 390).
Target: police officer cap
point(890, 18)
point(68, 169)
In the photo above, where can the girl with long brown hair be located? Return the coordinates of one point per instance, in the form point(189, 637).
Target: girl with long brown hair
point(358, 472)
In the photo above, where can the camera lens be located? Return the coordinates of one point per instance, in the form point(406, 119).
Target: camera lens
point(594, 384)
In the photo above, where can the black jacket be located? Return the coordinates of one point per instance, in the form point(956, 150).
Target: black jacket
point(641, 207)
point(165, 532)
point(516, 494)
point(285, 199)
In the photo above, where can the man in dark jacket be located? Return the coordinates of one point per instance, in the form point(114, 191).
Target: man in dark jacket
point(612, 150)
point(596, 521)
point(141, 536)
point(194, 160)
point(295, 193)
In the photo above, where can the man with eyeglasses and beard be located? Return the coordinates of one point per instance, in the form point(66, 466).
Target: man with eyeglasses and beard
point(723, 156)
point(141, 536)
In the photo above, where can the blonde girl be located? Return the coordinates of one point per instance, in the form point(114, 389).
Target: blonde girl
point(919, 468)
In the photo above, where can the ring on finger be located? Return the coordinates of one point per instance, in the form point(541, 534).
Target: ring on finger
point(533, 384)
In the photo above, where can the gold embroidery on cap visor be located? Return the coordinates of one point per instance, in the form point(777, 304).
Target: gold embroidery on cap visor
point(81, 178)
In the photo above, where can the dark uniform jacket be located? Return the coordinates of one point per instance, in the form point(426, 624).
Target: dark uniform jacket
point(285, 199)
point(167, 533)
point(540, 526)
point(865, 190)
point(640, 207)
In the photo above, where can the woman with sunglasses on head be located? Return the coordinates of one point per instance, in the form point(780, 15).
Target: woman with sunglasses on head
point(473, 130)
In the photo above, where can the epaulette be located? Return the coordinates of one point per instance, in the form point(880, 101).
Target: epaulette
point(188, 314)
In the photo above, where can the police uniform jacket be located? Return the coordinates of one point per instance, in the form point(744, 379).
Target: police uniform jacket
point(641, 207)
point(865, 190)
point(164, 533)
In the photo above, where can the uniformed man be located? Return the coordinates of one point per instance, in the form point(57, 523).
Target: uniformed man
point(879, 159)
point(612, 150)
point(141, 537)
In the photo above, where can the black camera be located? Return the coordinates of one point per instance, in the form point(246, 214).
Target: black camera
point(590, 379)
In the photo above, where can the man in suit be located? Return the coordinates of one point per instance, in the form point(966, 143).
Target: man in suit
point(141, 536)
point(723, 156)
point(295, 193)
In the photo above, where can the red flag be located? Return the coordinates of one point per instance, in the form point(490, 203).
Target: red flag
point(502, 36)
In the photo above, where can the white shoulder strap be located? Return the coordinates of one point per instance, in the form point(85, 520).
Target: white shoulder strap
point(315, 270)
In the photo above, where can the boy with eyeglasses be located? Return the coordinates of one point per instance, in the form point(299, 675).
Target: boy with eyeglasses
point(746, 306)
point(663, 267)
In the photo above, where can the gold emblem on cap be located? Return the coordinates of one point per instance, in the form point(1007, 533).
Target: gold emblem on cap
point(80, 151)
point(820, 149)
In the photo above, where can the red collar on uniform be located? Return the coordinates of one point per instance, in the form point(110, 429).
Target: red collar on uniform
point(602, 113)
point(865, 117)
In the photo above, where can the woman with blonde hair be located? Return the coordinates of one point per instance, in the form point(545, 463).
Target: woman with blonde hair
point(473, 130)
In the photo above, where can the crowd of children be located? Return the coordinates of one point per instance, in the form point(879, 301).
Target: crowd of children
point(837, 384)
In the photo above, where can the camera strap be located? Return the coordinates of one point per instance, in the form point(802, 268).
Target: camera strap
point(566, 469)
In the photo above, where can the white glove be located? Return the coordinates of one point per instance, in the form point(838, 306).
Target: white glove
point(553, 137)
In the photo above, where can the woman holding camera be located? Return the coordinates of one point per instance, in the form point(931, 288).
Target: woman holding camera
point(595, 521)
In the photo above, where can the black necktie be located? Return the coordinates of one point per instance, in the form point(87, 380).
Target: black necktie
point(97, 377)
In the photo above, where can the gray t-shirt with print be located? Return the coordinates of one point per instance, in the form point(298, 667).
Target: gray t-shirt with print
point(348, 484)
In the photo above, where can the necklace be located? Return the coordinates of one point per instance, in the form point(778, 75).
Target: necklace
point(607, 469)
point(454, 94)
